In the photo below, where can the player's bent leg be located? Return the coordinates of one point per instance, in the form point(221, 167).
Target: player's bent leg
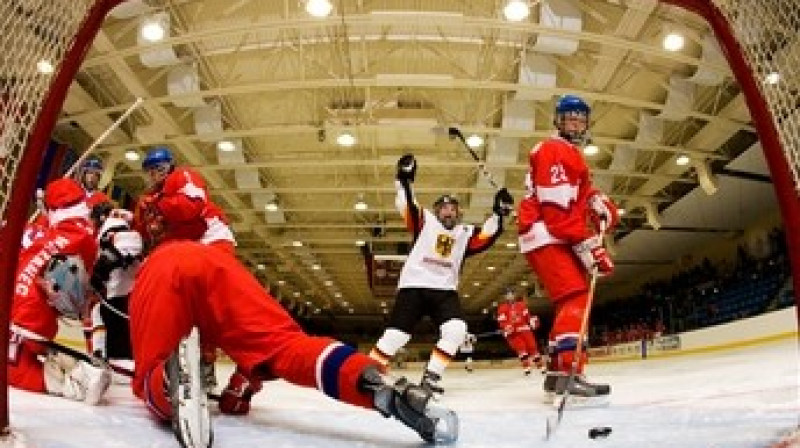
point(452, 334)
point(409, 403)
point(388, 345)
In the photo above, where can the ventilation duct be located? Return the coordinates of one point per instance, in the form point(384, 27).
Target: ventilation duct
point(249, 178)
point(680, 96)
point(183, 79)
point(129, 9)
point(707, 74)
point(539, 72)
point(208, 121)
point(563, 15)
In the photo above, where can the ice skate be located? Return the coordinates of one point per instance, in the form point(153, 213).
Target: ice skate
point(430, 382)
point(191, 421)
point(581, 391)
point(410, 404)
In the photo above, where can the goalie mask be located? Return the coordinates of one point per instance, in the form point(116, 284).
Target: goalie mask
point(65, 281)
point(447, 211)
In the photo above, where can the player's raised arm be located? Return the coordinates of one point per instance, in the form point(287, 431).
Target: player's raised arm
point(405, 202)
point(484, 237)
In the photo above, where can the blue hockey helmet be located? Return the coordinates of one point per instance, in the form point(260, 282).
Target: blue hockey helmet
point(572, 106)
point(157, 157)
point(92, 163)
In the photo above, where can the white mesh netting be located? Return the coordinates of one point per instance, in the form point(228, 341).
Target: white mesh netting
point(34, 40)
point(769, 33)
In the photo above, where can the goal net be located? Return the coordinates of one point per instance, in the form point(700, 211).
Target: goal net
point(43, 42)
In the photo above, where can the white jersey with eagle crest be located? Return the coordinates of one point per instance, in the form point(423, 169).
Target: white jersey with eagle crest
point(436, 258)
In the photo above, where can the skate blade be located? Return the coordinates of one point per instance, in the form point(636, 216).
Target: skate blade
point(578, 402)
point(446, 424)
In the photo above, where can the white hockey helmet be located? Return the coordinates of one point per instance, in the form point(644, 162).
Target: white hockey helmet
point(66, 284)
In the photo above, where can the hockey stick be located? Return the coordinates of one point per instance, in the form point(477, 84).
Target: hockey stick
point(552, 426)
point(79, 355)
point(51, 344)
point(94, 145)
point(487, 334)
point(455, 133)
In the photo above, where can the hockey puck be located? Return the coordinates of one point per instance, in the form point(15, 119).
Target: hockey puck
point(600, 432)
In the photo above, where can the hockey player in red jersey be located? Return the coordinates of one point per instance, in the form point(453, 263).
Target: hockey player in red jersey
point(183, 284)
point(429, 279)
point(178, 206)
point(88, 175)
point(559, 246)
point(51, 283)
point(517, 325)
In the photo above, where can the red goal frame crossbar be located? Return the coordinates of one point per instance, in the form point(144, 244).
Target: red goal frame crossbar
point(31, 158)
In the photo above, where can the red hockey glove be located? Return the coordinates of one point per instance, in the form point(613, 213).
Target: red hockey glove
point(603, 212)
point(592, 253)
point(235, 399)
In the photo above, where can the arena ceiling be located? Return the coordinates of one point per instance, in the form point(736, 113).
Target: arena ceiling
point(254, 95)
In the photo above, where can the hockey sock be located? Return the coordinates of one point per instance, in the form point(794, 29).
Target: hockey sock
point(156, 393)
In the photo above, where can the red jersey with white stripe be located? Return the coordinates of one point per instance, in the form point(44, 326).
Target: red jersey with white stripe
point(555, 209)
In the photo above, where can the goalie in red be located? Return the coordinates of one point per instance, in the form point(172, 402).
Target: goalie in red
point(560, 247)
point(50, 283)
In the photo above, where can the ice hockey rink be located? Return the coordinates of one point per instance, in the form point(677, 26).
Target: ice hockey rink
point(737, 398)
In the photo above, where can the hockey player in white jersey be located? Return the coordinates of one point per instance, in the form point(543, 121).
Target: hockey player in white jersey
point(428, 282)
point(117, 264)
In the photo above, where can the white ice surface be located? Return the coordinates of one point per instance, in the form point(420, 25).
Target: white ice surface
point(739, 398)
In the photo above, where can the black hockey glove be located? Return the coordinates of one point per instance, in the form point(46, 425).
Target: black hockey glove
point(503, 202)
point(406, 168)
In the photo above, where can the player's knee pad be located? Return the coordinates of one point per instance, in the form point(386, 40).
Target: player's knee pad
point(453, 333)
point(391, 341)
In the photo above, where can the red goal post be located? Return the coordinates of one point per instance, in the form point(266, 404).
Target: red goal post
point(757, 37)
point(43, 43)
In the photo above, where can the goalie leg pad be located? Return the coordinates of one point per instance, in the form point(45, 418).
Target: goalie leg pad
point(76, 380)
point(191, 420)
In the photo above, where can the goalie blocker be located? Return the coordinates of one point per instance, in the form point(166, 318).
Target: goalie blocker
point(210, 290)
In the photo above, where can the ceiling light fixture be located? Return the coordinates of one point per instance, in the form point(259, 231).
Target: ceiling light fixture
point(476, 283)
point(490, 268)
point(591, 149)
point(328, 283)
point(474, 141)
point(673, 42)
point(297, 243)
point(319, 8)
point(523, 283)
point(131, 155)
point(621, 212)
point(316, 267)
point(45, 67)
point(516, 10)
point(682, 160)
point(226, 146)
point(281, 282)
point(360, 243)
point(261, 267)
point(511, 245)
point(361, 204)
point(152, 31)
point(337, 294)
point(772, 78)
point(346, 139)
point(271, 206)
